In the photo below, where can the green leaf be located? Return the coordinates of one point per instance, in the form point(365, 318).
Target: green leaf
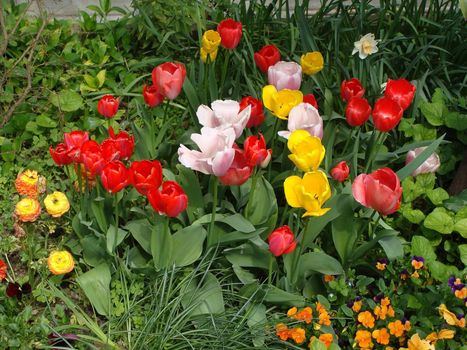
point(461, 227)
point(96, 285)
point(317, 344)
point(440, 271)
point(238, 222)
point(262, 211)
point(97, 209)
point(344, 232)
point(392, 246)
point(91, 81)
point(463, 253)
point(206, 299)
point(422, 247)
point(456, 203)
point(189, 245)
point(161, 244)
point(66, 100)
point(141, 231)
point(433, 112)
point(320, 262)
point(456, 121)
point(415, 216)
point(100, 78)
point(114, 238)
point(440, 221)
point(256, 321)
point(409, 168)
point(249, 255)
point(45, 121)
point(437, 196)
point(410, 190)
point(94, 250)
point(278, 296)
point(188, 179)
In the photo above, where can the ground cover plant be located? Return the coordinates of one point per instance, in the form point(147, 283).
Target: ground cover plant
point(248, 175)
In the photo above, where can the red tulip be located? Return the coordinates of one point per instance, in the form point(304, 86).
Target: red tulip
point(239, 171)
point(145, 175)
point(386, 114)
point(125, 143)
point(282, 241)
point(351, 88)
point(73, 142)
point(110, 150)
point(91, 155)
point(108, 106)
point(310, 99)
point(152, 96)
point(256, 152)
point(401, 91)
point(115, 176)
point(256, 114)
point(230, 32)
point(171, 200)
point(169, 78)
point(358, 111)
point(60, 154)
point(380, 190)
point(340, 172)
point(268, 56)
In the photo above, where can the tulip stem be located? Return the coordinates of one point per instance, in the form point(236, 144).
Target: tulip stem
point(214, 207)
point(116, 223)
point(302, 242)
point(270, 269)
point(375, 146)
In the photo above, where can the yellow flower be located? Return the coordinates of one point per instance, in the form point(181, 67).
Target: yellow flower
point(210, 41)
point(442, 334)
point(281, 102)
point(26, 183)
point(60, 262)
point(204, 55)
point(312, 62)
point(309, 192)
point(450, 318)
point(56, 204)
point(28, 209)
point(416, 343)
point(307, 150)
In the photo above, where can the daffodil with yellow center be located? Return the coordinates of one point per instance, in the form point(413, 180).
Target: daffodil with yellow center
point(307, 150)
point(56, 204)
point(60, 262)
point(28, 209)
point(281, 102)
point(309, 192)
point(210, 41)
point(204, 55)
point(312, 62)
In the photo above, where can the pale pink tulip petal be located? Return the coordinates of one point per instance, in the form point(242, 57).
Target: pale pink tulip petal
point(358, 189)
point(222, 161)
point(207, 117)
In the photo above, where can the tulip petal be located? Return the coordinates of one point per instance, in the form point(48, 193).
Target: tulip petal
point(292, 188)
point(206, 116)
point(358, 189)
point(227, 110)
point(268, 96)
point(222, 161)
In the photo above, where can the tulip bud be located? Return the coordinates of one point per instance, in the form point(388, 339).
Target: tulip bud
point(430, 165)
point(358, 111)
point(268, 56)
point(310, 99)
point(282, 241)
point(400, 91)
point(256, 114)
point(285, 75)
point(152, 96)
point(312, 62)
point(171, 200)
point(169, 78)
point(115, 176)
point(230, 32)
point(351, 88)
point(108, 106)
point(340, 172)
point(386, 114)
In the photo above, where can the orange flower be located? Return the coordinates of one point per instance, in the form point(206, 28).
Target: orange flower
point(319, 307)
point(28, 209)
point(391, 312)
point(415, 274)
point(26, 183)
point(3, 268)
point(326, 338)
point(461, 294)
point(306, 315)
point(396, 328)
point(297, 334)
point(366, 319)
point(324, 318)
point(407, 326)
point(381, 266)
point(442, 334)
point(385, 301)
point(292, 311)
point(329, 278)
point(380, 312)
point(363, 339)
point(282, 331)
point(381, 336)
point(357, 306)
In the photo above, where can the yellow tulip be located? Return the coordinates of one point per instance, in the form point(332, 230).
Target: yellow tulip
point(281, 102)
point(312, 62)
point(210, 41)
point(307, 150)
point(56, 204)
point(309, 192)
point(60, 262)
point(204, 55)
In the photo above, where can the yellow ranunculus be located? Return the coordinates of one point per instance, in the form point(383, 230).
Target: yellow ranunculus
point(60, 262)
point(204, 55)
point(28, 209)
point(312, 62)
point(281, 102)
point(309, 192)
point(210, 41)
point(56, 204)
point(307, 150)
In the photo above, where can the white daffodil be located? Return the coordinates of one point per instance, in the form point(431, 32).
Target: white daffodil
point(365, 46)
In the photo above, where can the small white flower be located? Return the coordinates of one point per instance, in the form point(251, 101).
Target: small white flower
point(365, 46)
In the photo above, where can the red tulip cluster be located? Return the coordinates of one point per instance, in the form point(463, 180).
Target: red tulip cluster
point(105, 160)
point(254, 153)
point(387, 111)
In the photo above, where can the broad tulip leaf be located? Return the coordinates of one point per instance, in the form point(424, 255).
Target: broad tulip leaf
point(422, 247)
point(161, 245)
point(278, 296)
point(249, 255)
point(256, 321)
point(93, 250)
point(188, 245)
point(262, 211)
point(238, 222)
point(206, 299)
point(96, 285)
point(141, 231)
point(320, 262)
point(114, 238)
point(392, 247)
point(344, 231)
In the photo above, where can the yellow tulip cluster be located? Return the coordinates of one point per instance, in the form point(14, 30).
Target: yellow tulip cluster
point(312, 190)
point(209, 45)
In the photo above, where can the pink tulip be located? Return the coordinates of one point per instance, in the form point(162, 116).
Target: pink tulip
point(282, 241)
point(285, 75)
point(216, 151)
point(428, 166)
point(304, 117)
point(380, 190)
point(169, 78)
point(223, 115)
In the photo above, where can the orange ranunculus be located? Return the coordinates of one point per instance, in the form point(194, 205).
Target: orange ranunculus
point(366, 319)
point(27, 183)
point(28, 209)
